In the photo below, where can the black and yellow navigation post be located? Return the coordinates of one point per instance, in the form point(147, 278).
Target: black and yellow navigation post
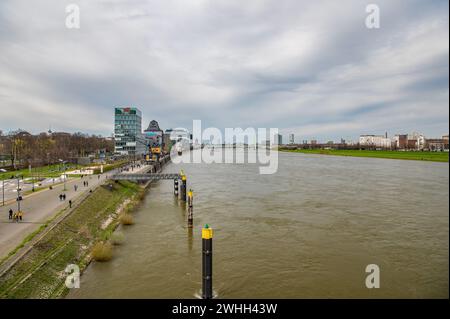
point(183, 186)
point(207, 236)
point(175, 187)
point(190, 208)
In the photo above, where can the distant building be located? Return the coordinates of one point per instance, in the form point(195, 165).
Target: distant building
point(153, 134)
point(400, 141)
point(128, 136)
point(279, 139)
point(445, 138)
point(437, 144)
point(291, 139)
point(416, 141)
point(375, 141)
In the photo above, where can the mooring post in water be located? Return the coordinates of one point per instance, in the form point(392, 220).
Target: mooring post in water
point(207, 236)
point(183, 186)
point(190, 208)
point(175, 187)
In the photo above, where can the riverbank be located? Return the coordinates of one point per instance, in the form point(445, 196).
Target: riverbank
point(40, 272)
point(401, 155)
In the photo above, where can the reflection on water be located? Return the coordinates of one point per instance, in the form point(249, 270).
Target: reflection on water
point(308, 231)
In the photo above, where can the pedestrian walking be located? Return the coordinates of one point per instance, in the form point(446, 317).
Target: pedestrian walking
point(75, 187)
point(70, 203)
point(11, 213)
point(60, 197)
point(20, 215)
point(64, 197)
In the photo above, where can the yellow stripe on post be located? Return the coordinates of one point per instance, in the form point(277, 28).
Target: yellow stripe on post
point(207, 233)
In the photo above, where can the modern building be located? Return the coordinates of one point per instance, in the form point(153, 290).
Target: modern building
point(291, 139)
point(154, 134)
point(128, 136)
point(279, 139)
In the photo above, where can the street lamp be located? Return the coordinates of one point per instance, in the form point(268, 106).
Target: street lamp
point(30, 169)
point(19, 198)
point(65, 176)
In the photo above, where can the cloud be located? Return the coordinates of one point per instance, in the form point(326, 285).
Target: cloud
point(310, 68)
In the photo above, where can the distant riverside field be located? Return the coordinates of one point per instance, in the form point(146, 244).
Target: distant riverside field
point(54, 170)
point(403, 155)
point(57, 170)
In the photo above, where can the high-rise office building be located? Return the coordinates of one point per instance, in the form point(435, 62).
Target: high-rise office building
point(279, 139)
point(128, 136)
point(291, 139)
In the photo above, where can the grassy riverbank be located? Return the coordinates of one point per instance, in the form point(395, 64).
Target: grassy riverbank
point(40, 273)
point(43, 171)
point(417, 156)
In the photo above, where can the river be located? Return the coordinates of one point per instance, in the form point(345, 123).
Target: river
point(308, 231)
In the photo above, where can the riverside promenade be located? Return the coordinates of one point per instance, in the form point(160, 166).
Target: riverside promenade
point(41, 206)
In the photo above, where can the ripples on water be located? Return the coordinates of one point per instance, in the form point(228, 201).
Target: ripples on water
point(308, 231)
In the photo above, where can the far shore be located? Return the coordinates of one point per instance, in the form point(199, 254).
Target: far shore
point(401, 155)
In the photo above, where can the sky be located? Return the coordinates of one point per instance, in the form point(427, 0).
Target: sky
point(311, 68)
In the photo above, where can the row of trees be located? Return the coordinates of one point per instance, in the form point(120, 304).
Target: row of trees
point(22, 148)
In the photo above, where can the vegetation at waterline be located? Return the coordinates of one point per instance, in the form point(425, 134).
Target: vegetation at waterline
point(40, 273)
point(117, 238)
point(102, 251)
point(126, 219)
point(402, 155)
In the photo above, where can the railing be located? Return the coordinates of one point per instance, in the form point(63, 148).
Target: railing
point(145, 177)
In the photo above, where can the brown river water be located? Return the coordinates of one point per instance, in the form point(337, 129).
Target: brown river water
point(308, 231)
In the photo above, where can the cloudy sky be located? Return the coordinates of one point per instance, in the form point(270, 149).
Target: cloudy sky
point(311, 68)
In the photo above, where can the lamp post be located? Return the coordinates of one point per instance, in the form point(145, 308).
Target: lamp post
point(19, 198)
point(30, 169)
point(64, 176)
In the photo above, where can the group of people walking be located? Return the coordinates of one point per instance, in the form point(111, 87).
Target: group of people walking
point(15, 216)
point(18, 216)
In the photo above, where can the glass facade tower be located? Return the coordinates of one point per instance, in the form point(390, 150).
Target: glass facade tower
point(128, 135)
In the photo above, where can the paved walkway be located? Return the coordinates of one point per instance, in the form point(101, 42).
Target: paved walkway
point(40, 207)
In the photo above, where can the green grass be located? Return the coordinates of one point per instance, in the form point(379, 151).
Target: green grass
point(40, 274)
point(417, 156)
point(42, 172)
point(110, 167)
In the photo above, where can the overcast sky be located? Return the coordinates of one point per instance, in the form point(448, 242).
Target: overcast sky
point(311, 68)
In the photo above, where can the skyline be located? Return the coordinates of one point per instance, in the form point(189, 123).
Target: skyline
point(311, 72)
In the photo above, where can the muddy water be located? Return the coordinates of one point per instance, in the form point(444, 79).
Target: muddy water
point(308, 231)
